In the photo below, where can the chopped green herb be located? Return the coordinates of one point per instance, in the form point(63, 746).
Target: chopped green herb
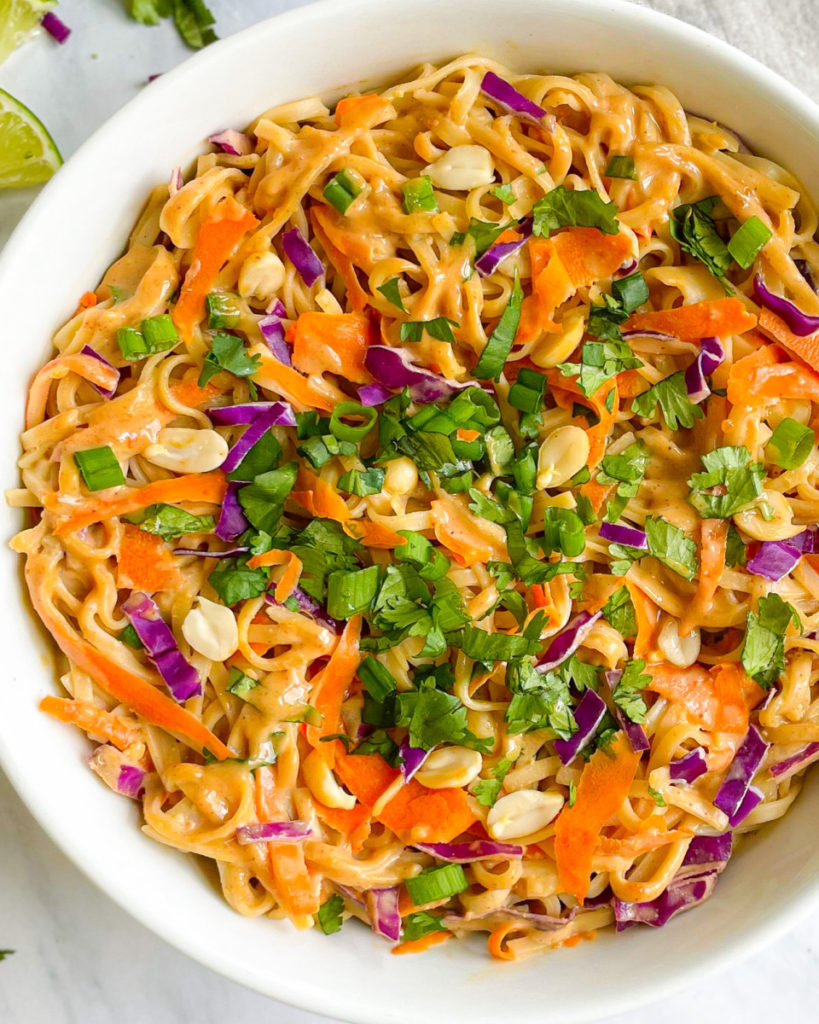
point(330, 914)
point(657, 797)
point(263, 500)
point(419, 924)
point(763, 652)
point(497, 348)
point(621, 167)
point(625, 472)
point(227, 352)
point(431, 563)
point(440, 329)
point(377, 680)
point(584, 208)
point(563, 531)
point(618, 611)
point(630, 292)
point(790, 444)
point(233, 581)
point(737, 480)
point(170, 522)
point(672, 394)
point(504, 193)
point(572, 793)
point(223, 310)
point(487, 791)
point(240, 684)
point(419, 195)
point(342, 190)
point(735, 551)
point(391, 290)
point(627, 694)
point(747, 241)
point(130, 638)
point(696, 233)
point(99, 468)
point(349, 592)
point(599, 362)
point(362, 482)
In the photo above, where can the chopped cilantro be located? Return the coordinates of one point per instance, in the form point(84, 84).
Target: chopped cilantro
point(763, 652)
point(672, 394)
point(584, 208)
point(738, 479)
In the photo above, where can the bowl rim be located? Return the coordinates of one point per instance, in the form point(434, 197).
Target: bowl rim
point(342, 1006)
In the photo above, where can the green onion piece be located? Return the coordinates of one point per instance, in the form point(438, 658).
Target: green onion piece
point(131, 343)
point(99, 468)
point(747, 240)
point(621, 167)
point(418, 195)
point(222, 310)
point(437, 884)
point(351, 592)
point(790, 444)
point(431, 562)
point(347, 432)
point(342, 190)
point(525, 399)
point(240, 684)
point(531, 379)
point(631, 291)
point(329, 916)
point(362, 482)
point(159, 333)
point(130, 637)
point(378, 681)
point(392, 292)
point(495, 352)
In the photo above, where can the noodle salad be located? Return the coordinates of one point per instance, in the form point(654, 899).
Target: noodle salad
point(423, 505)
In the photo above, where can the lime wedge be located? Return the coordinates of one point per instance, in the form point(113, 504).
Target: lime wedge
point(28, 154)
point(18, 19)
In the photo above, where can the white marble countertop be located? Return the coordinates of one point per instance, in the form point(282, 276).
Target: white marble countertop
point(79, 959)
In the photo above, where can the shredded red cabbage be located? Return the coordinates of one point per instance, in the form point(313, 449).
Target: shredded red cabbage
point(635, 733)
point(411, 758)
point(567, 642)
point(797, 321)
point(232, 520)
point(749, 802)
point(588, 715)
point(542, 922)
point(774, 559)
point(272, 330)
point(741, 773)
point(298, 251)
point(310, 607)
point(488, 262)
point(706, 854)
point(373, 394)
point(508, 97)
point(807, 755)
point(709, 357)
point(382, 906)
point(465, 853)
point(628, 535)
point(56, 28)
point(274, 832)
point(232, 142)
point(260, 416)
point(176, 180)
point(180, 677)
point(682, 894)
point(130, 781)
point(393, 368)
point(807, 541)
point(86, 350)
point(688, 767)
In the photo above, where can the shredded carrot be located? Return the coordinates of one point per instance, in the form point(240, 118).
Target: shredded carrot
point(761, 382)
point(467, 435)
point(469, 540)
point(421, 945)
point(332, 342)
point(303, 392)
point(415, 813)
point(87, 301)
point(712, 318)
point(806, 348)
point(374, 535)
point(599, 433)
point(85, 366)
point(604, 785)
point(597, 493)
point(188, 392)
point(217, 239)
point(145, 562)
point(319, 497)
point(362, 111)
point(647, 615)
point(497, 937)
point(539, 598)
point(298, 890)
point(588, 255)
point(639, 843)
point(91, 719)
point(287, 584)
point(330, 688)
point(630, 383)
point(205, 487)
point(353, 823)
point(713, 537)
point(338, 257)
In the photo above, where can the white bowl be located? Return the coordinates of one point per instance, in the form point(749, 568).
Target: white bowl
point(78, 226)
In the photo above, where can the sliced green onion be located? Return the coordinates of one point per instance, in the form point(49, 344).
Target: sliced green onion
point(99, 468)
point(351, 592)
point(315, 451)
point(392, 292)
point(469, 450)
point(418, 195)
point(631, 291)
point(563, 531)
point(346, 431)
point(342, 190)
point(431, 562)
point(223, 310)
point(240, 684)
point(790, 444)
point(130, 637)
point(621, 167)
point(747, 240)
point(378, 681)
point(497, 349)
point(525, 399)
point(362, 482)
point(437, 884)
point(159, 333)
point(131, 343)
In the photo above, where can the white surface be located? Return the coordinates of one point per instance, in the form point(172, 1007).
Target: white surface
point(79, 957)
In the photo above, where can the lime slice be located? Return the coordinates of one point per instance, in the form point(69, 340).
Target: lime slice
point(28, 154)
point(18, 19)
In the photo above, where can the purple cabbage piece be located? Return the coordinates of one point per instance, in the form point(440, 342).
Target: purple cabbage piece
point(512, 101)
point(797, 322)
point(807, 541)
point(382, 906)
point(232, 522)
point(57, 29)
point(688, 767)
point(796, 762)
point(681, 894)
point(278, 414)
point(160, 645)
point(741, 772)
point(232, 142)
point(627, 268)
point(635, 733)
point(619, 534)
point(411, 758)
point(709, 357)
point(130, 781)
point(488, 262)
point(274, 832)
point(373, 394)
point(567, 642)
point(712, 353)
point(706, 854)
point(205, 553)
point(310, 607)
point(86, 350)
point(466, 853)
point(393, 368)
point(588, 715)
point(249, 412)
point(300, 254)
point(273, 333)
point(749, 802)
point(774, 559)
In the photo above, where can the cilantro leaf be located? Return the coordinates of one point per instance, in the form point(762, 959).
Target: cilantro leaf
point(227, 352)
point(483, 232)
point(625, 472)
point(504, 193)
point(263, 500)
point(672, 394)
point(763, 652)
point(434, 717)
point(419, 924)
point(540, 700)
point(487, 791)
point(584, 208)
point(599, 362)
point(330, 914)
point(618, 611)
point(695, 231)
point(736, 552)
point(170, 522)
point(627, 695)
point(439, 328)
point(669, 545)
point(431, 453)
point(392, 292)
point(233, 581)
point(730, 470)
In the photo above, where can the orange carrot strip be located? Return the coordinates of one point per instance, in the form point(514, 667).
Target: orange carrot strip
point(713, 537)
point(764, 383)
point(87, 301)
point(353, 823)
point(90, 719)
point(421, 945)
point(145, 562)
point(330, 688)
point(84, 366)
point(290, 384)
point(647, 615)
point(641, 842)
point(597, 493)
point(298, 890)
point(206, 487)
point(373, 535)
point(539, 598)
point(332, 342)
point(551, 286)
point(321, 499)
point(630, 383)
point(604, 785)
point(714, 317)
point(588, 255)
point(497, 937)
point(356, 296)
point(806, 348)
point(468, 540)
point(361, 111)
point(287, 584)
point(217, 238)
